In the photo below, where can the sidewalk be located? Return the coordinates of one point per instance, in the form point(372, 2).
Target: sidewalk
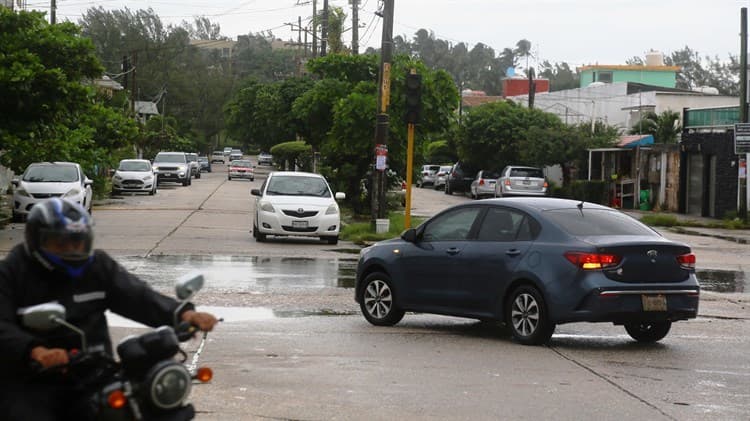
point(741, 236)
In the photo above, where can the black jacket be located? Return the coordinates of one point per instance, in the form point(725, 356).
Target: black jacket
point(105, 285)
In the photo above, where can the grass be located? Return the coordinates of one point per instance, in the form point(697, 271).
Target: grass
point(661, 220)
point(361, 230)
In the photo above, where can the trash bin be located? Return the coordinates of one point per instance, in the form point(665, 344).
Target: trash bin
point(644, 201)
point(382, 225)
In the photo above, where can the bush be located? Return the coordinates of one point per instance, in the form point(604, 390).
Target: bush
point(593, 191)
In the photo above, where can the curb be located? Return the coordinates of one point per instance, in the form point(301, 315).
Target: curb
point(680, 230)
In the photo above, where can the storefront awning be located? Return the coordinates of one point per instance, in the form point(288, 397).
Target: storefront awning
point(631, 141)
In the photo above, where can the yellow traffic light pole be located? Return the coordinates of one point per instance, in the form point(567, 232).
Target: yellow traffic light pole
point(409, 165)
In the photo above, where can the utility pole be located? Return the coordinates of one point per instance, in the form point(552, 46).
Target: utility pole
point(53, 12)
point(355, 27)
point(324, 29)
point(532, 84)
point(743, 184)
point(381, 126)
point(315, 29)
point(133, 85)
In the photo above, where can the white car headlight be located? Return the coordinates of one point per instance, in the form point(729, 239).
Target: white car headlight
point(155, 167)
point(72, 192)
point(22, 192)
point(148, 178)
point(117, 177)
point(267, 207)
point(333, 209)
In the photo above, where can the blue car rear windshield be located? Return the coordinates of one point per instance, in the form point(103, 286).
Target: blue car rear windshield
point(594, 222)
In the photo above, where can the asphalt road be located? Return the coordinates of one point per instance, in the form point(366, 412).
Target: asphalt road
point(295, 350)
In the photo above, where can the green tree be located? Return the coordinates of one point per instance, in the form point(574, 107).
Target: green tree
point(295, 153)
point(566, 146)
point(47, 112)
point(665, 127)
point(492, 134)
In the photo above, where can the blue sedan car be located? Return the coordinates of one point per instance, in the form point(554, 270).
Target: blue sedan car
point(532, 263)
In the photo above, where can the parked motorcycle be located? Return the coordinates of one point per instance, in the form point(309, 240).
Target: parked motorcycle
point(149, 382)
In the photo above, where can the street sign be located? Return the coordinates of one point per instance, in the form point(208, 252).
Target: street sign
point(742, 173)
point(741, 138)
point(381, 154)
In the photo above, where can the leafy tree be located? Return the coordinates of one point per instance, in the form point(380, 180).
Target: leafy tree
point(564, 145)
point(664, 127)
point(313, 110)
point(492, 134)
point(47, 112)
point(295, 153)
point(560, 76)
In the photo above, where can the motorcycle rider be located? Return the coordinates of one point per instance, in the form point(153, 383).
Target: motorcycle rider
point(57, 263)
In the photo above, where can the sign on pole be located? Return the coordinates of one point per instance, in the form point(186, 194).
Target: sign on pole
point(741, 138)
point(381, 154)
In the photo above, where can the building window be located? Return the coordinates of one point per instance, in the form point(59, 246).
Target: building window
point(605, 77)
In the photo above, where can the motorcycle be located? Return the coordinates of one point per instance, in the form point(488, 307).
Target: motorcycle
point(148, 382)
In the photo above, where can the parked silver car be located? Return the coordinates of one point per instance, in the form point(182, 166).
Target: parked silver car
point(521, 181)
point(428, 175)
point(134, 175)
point(43, 180)
point(484, 184)
point(441, 176)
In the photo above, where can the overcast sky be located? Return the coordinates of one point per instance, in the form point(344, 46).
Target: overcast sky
point(575, 31)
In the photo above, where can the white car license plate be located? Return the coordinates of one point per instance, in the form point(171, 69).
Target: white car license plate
point(526, 182)
point(167, 174)
point(492, 183)
point(299, 224)
point(654, 302)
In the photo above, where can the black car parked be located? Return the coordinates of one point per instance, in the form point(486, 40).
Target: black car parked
point(460, 178)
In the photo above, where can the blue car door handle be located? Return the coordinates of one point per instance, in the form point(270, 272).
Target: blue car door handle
point(513, 252)
point(452, 251)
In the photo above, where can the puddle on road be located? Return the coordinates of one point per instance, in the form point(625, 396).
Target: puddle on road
point(235, 314)
point(245, 273)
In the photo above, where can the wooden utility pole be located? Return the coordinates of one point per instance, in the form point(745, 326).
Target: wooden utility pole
point(324, 29)
point(315, 29)
point(743, 193)
point(381, 126)
point(355, 27)
point(53, 12)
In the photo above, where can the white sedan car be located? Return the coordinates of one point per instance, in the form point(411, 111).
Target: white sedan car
point(43, 180)
point(296, 204)
point(134, 175)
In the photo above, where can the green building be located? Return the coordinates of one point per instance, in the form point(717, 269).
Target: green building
point(664, 76)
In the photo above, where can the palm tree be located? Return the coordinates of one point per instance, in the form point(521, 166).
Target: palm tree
point(665, 127)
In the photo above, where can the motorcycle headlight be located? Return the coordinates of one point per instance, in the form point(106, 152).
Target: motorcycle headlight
point(72, 192)
point(169, 385)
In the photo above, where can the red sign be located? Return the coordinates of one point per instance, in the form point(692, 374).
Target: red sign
point(381, 154)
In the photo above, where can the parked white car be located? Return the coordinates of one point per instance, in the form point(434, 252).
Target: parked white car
point(43, 180)
point(521, 181)
point(134, 175)
point(297, 204)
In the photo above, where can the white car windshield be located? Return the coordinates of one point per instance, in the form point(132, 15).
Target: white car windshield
point(298, 186)
point(51, 174)
point(135, 166)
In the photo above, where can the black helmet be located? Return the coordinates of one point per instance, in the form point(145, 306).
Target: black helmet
point(59, 234)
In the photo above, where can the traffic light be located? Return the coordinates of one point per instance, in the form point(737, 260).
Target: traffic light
point(413, 98)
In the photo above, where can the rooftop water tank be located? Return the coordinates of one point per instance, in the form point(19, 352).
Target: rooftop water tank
point(708, 90)
point(654, 58)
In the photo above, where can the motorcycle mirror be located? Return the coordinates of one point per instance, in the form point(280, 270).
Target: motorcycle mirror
point(188, 285)
point(43, 317)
